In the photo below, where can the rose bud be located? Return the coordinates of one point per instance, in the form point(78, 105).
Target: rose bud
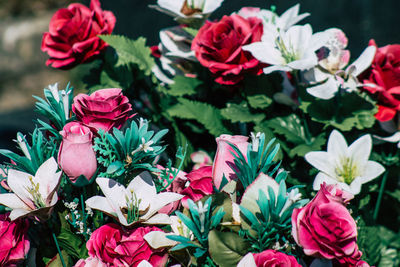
point(76, 156)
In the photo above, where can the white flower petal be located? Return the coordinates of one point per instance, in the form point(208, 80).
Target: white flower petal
point(113, 191)
point(159, 218)
point(265, 52)
point(16, 213)
point(247, 261)
point(211, 5)
point(271, 69)
point(323, 178)
point(321, 160)
point(305, 63)
point(364, 60)
point(372, 170)
point(19, 182)
point(325, 91)
point(354, 187)
point(337, 146)
point(174, 6)
point(159, 201)
point(12, 201)
point(298, 37)
point(158, 239)
point(102, 204)
point(47, 177)
point(144, 263)
point(361, 149)
point(395, 138)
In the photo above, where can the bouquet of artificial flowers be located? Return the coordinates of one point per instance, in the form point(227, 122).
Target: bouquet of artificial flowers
point(98, 184)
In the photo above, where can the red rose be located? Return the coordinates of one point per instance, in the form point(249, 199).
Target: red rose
point(325, 228)
point(72, 37)
point(218, 46)
point(384, 75)
point(14, 243)
point(104, 109)
point(200, 185)
point(122, 247)
point(272, 258)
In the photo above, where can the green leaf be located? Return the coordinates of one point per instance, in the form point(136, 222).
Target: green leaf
point(204, 113)
point(349, 111)
point(240, 113)
point(369, 242)
point(226, 248)
point(56, 261)
point(389, 258)
point(259, 101)
point(291, 127)
point(131, 51)
point(183, 86)
point(315, 145)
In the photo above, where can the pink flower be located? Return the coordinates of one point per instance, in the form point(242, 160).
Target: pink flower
point(14, 243)
point(122, 247)
point(200, 185)
point(104, 109)
point(76, 156)
point(90, 262)
point(218, 47)
point(72, 37)
point(272, 258)
point(325, 228)
point(223, 160)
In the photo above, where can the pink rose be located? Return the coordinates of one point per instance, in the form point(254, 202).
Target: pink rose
point(76, 156)
point(200, 185)
point(103, 109)
point(14, 243)
point(224, 159)
point(72, 37)
point(272, 258)
point(90, 262)
point(123, 247)
point(218, 47)
point(325, 228)
point(200, 158)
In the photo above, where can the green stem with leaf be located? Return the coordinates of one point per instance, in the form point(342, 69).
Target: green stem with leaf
point(380, 195)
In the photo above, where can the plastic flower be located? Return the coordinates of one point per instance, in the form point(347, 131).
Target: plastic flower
point(283, 22)
point(331, 70)
point(139, 202)
point(290, 50)
point(186, 11)
point(347, 166)
point(32, 195)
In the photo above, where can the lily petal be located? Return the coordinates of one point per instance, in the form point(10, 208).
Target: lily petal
point(158, 239)
point(372, 170)
point(159, 218)
point(17, 213)
point(364, 60)
point(323, 178)
point(361, 149)
point(12, 201)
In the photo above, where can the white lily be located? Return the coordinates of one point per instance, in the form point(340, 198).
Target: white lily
point(138, 203)
point(270, 19)
point(247, 261)
point(187, 10)
point(32, 195)
point(331, 70)
point(347, 166)
point(290, 50)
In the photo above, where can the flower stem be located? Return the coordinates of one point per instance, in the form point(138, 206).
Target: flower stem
point(59, 251)
point(378, 202)
point(84, 218)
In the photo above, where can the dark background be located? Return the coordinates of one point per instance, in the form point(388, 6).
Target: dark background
point(22, 65)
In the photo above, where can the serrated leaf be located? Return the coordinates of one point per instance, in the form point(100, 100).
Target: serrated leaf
point(259, 101)
point(226, 248)
point(183, 86)
point(240, 113)
point(291, 127)
point(131, 51)
point(204, 113)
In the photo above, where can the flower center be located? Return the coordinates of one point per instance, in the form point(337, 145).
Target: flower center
point(191, 7)
point(347, 171)
point(288, 53)
point(131, 211)
point(33, 189)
